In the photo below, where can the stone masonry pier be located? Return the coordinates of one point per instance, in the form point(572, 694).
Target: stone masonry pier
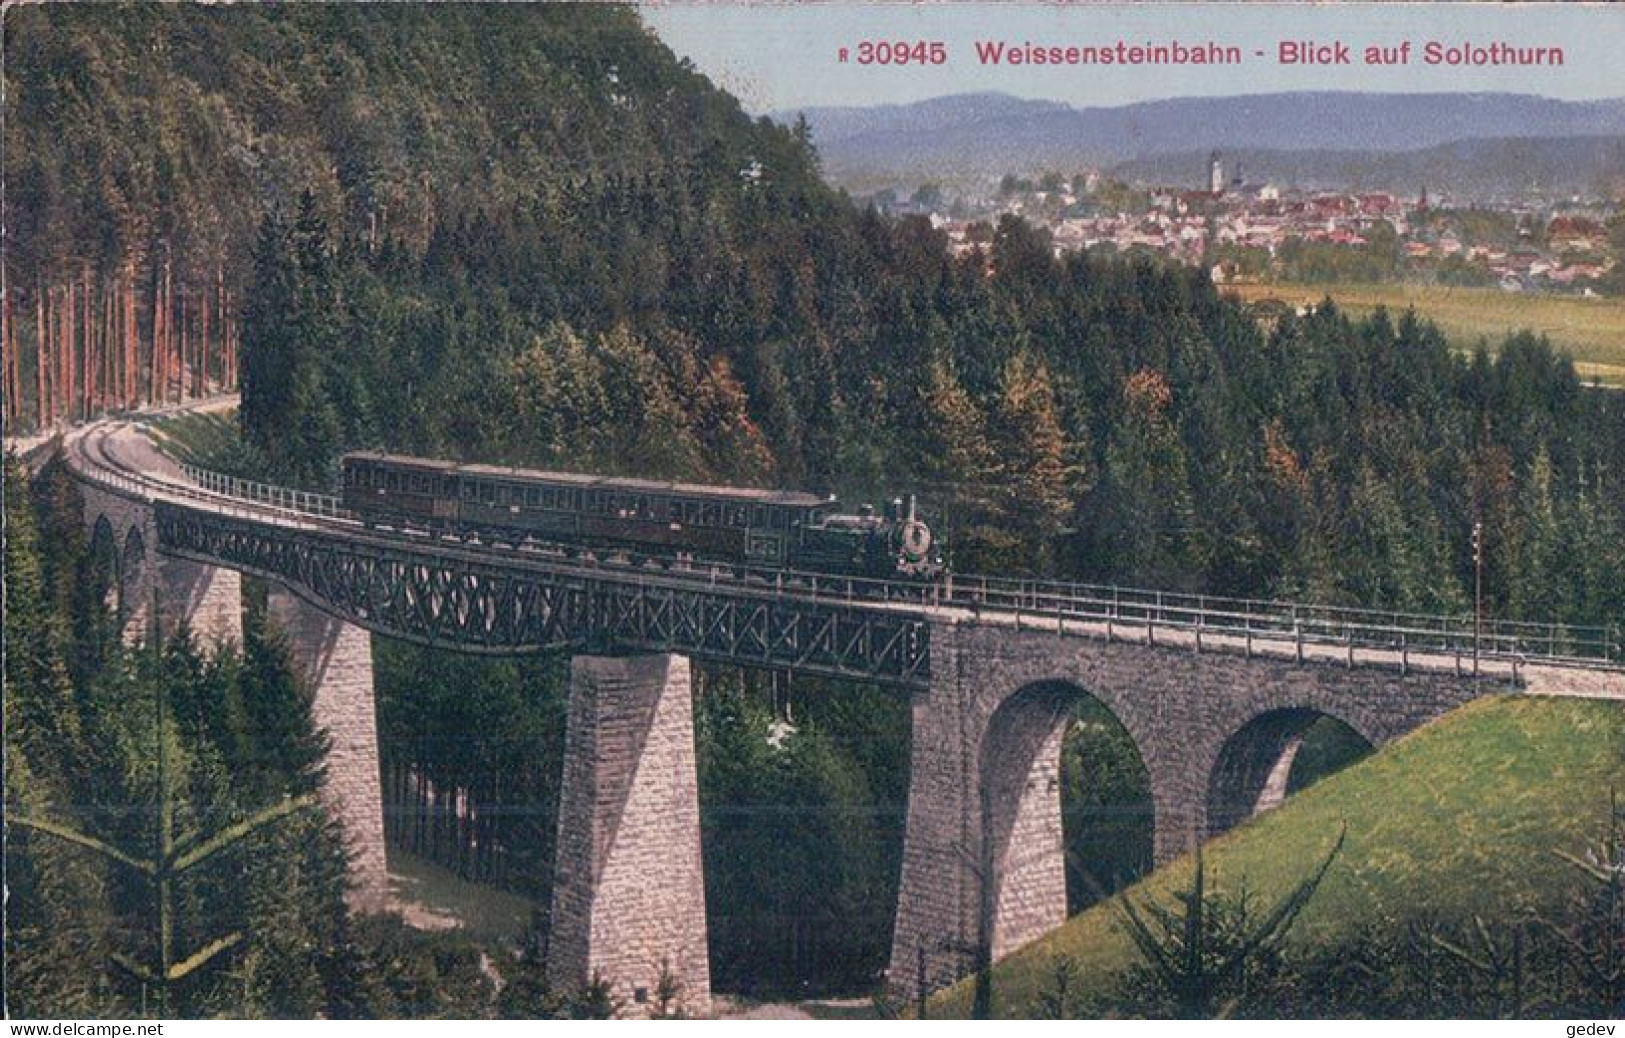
point(152, 594)
point(155, 594)
point(335, 659)
point(629, 888)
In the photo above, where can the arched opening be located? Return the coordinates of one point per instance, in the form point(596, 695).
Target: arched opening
point(1066, 808)
point(135, 595)
point(1106, 810)
point(1328, 747)
point(1274, 755)
point(102, 569)
point(100, 575)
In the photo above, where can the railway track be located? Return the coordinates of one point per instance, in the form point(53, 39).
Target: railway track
point(104, 454)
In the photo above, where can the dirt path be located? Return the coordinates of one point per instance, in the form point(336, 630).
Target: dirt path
point(430, 897)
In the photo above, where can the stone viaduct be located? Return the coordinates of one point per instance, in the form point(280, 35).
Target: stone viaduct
point(1216, 721)
point(1217, 731)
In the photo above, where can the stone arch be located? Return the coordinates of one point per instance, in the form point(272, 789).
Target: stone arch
point(135, 585)
point(104, 563)
point(1255, 763)
point(1023, 837)
point(1179, 702)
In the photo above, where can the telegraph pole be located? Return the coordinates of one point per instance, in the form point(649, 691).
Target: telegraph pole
point(1478, 589)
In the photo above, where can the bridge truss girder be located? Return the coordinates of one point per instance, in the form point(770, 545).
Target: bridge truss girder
point(452, 598)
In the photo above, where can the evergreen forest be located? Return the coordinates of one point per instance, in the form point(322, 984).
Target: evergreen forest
point(530, 234)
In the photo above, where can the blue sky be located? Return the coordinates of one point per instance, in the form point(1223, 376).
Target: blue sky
point(781, 55)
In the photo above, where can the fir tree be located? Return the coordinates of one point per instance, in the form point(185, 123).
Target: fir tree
point(1039, 467)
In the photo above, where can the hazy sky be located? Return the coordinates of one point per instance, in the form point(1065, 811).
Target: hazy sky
point(779, 55)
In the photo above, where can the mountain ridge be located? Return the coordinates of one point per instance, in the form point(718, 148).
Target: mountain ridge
point(1473, 168)
point(982, 135)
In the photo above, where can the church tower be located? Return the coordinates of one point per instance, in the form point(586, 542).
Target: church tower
point(1215, 174)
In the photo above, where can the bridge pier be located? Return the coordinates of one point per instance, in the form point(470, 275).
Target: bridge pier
point(335, 657)
point(137, 597)
point(983, 857)
point(1021, 807)
point(1179, 788)
point(155, 594)
point(628, 888)
point(208, 599)
point(1275, 783)
point(984, 860)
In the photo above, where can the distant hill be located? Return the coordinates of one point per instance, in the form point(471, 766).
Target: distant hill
point(834, 125)
point(1471, 168)
point(1460, 818)
point(975, 137)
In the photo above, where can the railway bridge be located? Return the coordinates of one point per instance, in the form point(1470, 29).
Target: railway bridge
point(1216, 694)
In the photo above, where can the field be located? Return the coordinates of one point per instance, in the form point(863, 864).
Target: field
point(1591, 330)
point(1460, 818)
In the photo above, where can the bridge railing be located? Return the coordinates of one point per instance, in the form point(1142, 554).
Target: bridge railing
point(1245, 619)
point(90, 465)
point(117, 480)
point(324, 505)
point(1306, 625)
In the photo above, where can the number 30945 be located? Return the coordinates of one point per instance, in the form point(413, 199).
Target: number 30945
point(902, 52)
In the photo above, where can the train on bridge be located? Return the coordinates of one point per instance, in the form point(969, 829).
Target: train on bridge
point(770, 528)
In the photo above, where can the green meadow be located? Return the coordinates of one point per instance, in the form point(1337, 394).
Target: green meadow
point(1462, 818)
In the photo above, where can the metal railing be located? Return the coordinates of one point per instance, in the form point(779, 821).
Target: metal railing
point(1301, 623)
point(1132, 612)
point(1128, 610)
point(91, 463)
point(324, 505)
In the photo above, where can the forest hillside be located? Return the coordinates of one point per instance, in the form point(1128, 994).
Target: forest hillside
point(531, 234)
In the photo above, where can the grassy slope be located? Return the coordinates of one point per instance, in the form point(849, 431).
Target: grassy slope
point(1592, 330)
point(197, 437)
point(210, 439)
point(1460, 817)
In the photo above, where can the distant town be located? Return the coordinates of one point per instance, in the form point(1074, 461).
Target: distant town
point(1247, 231)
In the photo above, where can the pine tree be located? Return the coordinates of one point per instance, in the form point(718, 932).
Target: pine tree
point(644, 426)
point(1383, 561)
point(1039, 469)
point(270, 352)
point(1590, 575)
point(735, 449)
point(1146, 517)
point(181, 863)
point(42, 719)
point(1535, 554)
point(58, 923)
point(557, 388)
point(1592, 938)
point(956, 463)
point(291, 350)
point(176, 862)
point(1213, 954)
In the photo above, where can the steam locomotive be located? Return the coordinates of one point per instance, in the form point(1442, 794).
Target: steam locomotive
point(726, 524)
